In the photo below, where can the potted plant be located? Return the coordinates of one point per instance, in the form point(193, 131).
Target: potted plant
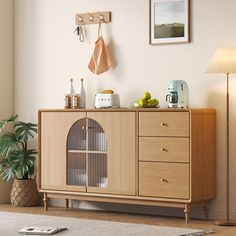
point(17, 161)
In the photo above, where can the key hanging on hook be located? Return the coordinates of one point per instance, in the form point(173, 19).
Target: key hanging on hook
point(79, 32)
point(79, 29)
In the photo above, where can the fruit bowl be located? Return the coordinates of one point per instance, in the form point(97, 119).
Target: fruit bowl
point(147, 102)
point(135, 105)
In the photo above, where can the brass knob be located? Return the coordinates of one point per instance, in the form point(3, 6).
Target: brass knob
point(164, 150)
point(86, 127)
point(164, 180)
point(163, 124)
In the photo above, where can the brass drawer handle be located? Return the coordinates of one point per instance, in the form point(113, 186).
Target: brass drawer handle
point(164, 180)
point(164, 150)
point(163, 124)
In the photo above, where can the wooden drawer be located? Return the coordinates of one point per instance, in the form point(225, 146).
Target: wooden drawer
point(167, 180)
point(164, 149)
point(164, 124)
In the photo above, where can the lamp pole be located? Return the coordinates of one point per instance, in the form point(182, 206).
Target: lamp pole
point(227, 149)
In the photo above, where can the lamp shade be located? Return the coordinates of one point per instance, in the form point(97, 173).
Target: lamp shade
point(224, 61)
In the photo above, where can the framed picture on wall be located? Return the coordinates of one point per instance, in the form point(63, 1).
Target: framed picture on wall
point(169, 21)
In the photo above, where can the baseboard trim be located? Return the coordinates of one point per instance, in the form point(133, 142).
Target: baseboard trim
point(220, 213)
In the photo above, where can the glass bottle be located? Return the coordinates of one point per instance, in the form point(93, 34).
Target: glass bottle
point(71, 89)
point(82, 94)
point(69, 95)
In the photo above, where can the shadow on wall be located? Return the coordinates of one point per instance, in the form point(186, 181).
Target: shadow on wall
point(111, 49)
point(218, 101)
point(5, 189)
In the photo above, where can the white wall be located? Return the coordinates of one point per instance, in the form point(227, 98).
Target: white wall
point(48, 54)
point(6, 73)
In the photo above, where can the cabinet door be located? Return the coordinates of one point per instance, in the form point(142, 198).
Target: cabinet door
point(54, 129)
point(119, 128)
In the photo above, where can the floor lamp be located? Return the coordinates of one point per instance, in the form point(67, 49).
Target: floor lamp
point(224, 61)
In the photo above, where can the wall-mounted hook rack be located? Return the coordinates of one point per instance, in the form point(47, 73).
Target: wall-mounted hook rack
point(93, 17)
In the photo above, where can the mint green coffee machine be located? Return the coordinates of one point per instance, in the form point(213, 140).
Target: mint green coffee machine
point(177, 96)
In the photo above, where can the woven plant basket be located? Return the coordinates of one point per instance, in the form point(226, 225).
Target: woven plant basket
point(24, 193)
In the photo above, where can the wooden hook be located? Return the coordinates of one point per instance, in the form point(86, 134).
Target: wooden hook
point(91, 18)
point(101, 17)
point(80, 18)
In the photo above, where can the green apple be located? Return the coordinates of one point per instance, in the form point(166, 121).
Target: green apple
point(149, 102)
point(142, 102)
point(153, 102)
point(147, 95)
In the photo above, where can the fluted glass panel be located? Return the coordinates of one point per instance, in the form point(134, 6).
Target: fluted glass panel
point(97, 170)
point(77, 136)
point(76, 166)
point(96, 137)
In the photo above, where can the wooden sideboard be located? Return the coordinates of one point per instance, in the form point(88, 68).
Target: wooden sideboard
point(160, 157)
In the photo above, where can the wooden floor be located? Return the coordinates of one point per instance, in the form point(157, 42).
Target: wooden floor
point(122, 217)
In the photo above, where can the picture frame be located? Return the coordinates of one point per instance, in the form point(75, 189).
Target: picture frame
point(169, 21)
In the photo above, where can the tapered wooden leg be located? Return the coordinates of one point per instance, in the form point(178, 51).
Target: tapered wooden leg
point(45, 201)
point(187, 213)
point(67, 203)
point(206, 212)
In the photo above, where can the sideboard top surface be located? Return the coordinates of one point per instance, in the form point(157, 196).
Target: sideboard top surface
point(208, 110)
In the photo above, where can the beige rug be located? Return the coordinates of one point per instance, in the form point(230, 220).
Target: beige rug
point(10, 223)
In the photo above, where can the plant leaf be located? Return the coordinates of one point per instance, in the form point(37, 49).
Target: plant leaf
point(8, 120)
point(7, 170)
point(25, 131)
point(8, 143)
point(20, 163)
